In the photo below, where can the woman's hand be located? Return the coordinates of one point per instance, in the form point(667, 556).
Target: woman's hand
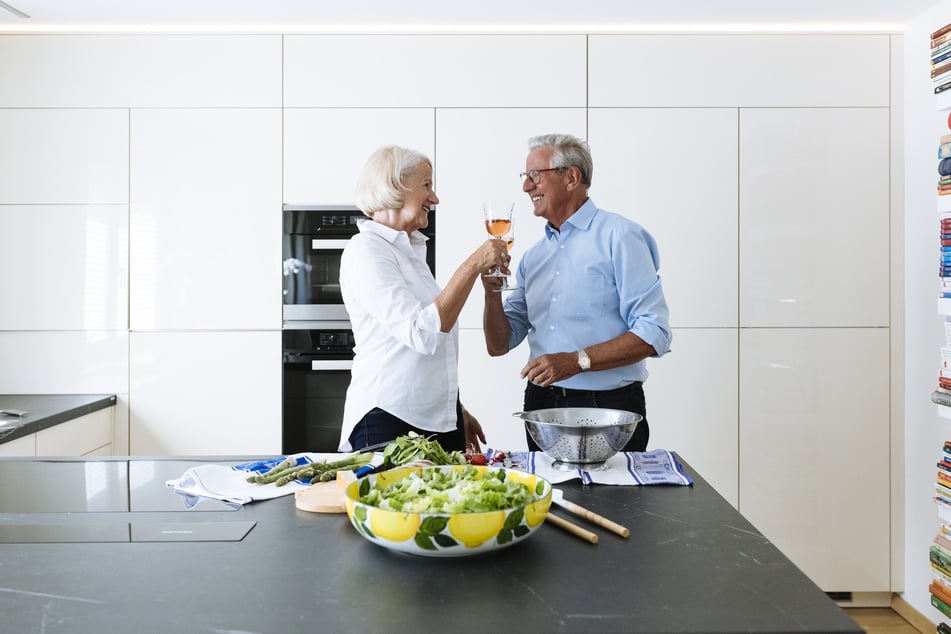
point(491, 254)
point(474, 432)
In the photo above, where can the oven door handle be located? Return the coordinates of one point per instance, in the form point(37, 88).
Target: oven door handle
point(338, 364)
point(317, 244)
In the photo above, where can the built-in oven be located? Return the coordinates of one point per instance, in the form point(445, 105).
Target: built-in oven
point(317, 337)
point(314, 239)
point(317, 360)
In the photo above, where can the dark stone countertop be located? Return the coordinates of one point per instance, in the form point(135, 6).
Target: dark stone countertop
point(692, 564)
point(46, 410)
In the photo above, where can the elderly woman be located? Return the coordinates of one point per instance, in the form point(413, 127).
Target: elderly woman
point(405, 375)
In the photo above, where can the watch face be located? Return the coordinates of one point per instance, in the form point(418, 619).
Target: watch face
point(583, 360)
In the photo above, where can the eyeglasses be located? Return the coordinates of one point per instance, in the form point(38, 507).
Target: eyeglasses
point(536, 175)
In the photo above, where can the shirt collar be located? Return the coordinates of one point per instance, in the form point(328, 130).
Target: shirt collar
point(581, 219)
point(389, 234)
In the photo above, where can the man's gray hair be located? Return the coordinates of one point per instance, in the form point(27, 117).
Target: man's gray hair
point(569, 151)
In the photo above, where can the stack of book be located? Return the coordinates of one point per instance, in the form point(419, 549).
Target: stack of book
point(940, 552)
point(941, 59)
point(944, 165)
point(944, 269)
point(944, 264)
point(940, 586)
point(942, 394)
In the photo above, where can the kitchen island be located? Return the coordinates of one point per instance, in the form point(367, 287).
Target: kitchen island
point(102, 545)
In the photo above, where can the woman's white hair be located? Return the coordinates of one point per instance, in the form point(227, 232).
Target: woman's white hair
point(382, 182)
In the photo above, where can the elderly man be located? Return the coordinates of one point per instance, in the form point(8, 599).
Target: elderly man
point(588, 296)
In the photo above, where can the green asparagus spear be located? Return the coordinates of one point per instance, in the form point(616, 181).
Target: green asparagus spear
point(287, 474)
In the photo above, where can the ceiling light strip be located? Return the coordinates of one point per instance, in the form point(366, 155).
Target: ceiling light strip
point(452, 29)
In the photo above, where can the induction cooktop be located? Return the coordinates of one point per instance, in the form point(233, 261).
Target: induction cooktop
point(107, 486)
point(105, 501)
point(100, 532)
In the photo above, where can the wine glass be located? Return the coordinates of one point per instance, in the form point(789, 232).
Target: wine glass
point(498, 222)
point(509, 239)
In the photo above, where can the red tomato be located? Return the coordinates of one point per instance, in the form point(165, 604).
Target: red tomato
point(477, 459)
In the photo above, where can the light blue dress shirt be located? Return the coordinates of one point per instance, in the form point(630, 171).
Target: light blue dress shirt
point(590, 282)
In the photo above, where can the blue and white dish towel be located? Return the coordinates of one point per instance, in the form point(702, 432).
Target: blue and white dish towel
point(658, 466)
point(230, 483)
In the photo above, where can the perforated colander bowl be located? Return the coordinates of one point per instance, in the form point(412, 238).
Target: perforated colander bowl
point(580, 436)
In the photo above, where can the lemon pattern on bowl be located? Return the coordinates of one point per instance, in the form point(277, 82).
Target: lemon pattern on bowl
point(447, 534)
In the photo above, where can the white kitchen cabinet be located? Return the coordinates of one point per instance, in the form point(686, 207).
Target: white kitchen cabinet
point(148, 71)
point(64, 267)
point(75, 156)
point(22, 446)
point(205, 226)
point(692, 404)
point(88, 434)
point(492, 391)
point(325, 149)
point(814, 449)
point(205, 393)
point(64, 362)
point(675, 171)
point(466, 71)
point(814, 217)
point(468, 172)
point(696, 70)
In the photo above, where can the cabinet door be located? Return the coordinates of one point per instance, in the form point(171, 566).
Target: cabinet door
point(150, 70)
point(205, 393)
point(814, 449)
point(696, 70)
point(205, 234)
point(89, 434)
point(674, 171)
point(692, 404)
point(23, 446)
point(77, 258)
point(492, 391)
point(65, 362)
point(468, 172)
point(71, 157)
point(480, 70)
point(814, 217)
point(325, 149)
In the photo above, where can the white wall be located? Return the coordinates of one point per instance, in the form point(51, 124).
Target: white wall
point(925, 431)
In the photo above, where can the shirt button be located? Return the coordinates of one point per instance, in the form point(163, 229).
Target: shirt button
point(557, 272)
point(554, 299)
point(551, 327)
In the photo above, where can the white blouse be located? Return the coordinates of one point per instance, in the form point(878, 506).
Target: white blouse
point(402, 362)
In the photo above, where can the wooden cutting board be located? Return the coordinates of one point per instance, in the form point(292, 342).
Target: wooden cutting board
point(325, 497)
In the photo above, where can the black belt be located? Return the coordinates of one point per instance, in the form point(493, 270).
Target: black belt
point(557, 390)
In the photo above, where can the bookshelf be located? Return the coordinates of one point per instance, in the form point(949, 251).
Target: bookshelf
point(940, 549)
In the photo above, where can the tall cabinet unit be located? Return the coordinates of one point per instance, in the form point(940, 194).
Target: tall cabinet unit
point(205, 254)
point(776, 267)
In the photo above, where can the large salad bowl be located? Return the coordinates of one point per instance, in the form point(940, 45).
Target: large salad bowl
point(455, 530)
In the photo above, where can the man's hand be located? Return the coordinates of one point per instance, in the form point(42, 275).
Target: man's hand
point(551, 368)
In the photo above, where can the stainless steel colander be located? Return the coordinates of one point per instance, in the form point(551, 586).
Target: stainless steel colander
point(580, 436)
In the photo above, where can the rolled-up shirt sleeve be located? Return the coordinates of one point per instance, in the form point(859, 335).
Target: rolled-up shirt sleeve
point(642, 301)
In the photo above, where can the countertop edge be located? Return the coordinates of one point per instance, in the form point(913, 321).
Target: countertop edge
point(46, 413)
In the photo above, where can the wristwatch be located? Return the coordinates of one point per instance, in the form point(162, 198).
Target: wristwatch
point(584, 361)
